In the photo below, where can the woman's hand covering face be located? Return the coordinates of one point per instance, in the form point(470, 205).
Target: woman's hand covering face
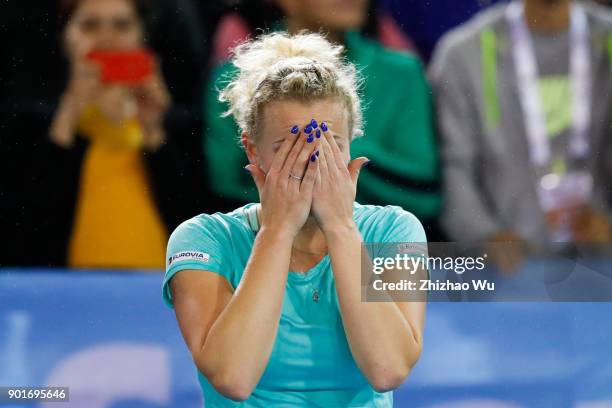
point(336, 184)
point(285, 191)
point(308, 174)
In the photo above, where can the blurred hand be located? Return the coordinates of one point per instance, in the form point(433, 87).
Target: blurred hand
point(153, 101)
point(285, 200)
point(507, 251)
point(591, 226)
point(147, 102)
point(115, 102)
point(336, 186)
point(83, 86)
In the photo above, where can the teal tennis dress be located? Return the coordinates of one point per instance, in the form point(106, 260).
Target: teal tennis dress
point(311, 364)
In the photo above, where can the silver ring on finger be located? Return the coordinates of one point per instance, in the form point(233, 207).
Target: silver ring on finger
point(294, 176)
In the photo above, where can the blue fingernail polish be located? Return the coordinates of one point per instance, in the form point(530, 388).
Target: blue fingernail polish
point(295, 129)
point(246, 169)
point(318, 133)
point(317, 152)
point(308, 129)
point(314, 124)
point(324, 126)
point(366, 163)
point(310, 139)
point(313, 157)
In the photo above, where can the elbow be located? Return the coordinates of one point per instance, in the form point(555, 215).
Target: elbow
point(232, 386)
point(230, 383)
point(387, 379)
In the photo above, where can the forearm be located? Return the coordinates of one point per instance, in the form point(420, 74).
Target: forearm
point(383, 343)
point(240, 342)
point(63, 125)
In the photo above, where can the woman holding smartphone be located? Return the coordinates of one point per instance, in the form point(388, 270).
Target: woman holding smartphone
point(117, 121)
point(104, 157)
point(268, 296)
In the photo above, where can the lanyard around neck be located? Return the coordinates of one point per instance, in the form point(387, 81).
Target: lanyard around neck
point(527, 76)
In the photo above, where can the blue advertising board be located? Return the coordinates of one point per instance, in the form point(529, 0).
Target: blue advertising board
point(110, 339)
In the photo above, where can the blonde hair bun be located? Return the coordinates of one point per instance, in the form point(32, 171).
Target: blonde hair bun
point(278, 66)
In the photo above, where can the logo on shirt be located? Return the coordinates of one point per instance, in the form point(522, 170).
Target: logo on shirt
point(189, 255)
point(412, 248)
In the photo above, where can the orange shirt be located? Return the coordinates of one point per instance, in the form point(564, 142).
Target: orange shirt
point(117, 223)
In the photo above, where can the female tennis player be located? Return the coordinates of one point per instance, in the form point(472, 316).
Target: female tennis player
point(268, 296)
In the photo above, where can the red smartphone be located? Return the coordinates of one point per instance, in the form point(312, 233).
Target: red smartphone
point(128, 68)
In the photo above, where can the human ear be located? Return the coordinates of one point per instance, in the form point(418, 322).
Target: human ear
point(249, 147)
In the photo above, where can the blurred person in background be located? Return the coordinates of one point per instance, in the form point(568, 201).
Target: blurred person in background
point(242, 19)
point(116, 220)
point(523, 95)
point(101, 167)
point(399, 133)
